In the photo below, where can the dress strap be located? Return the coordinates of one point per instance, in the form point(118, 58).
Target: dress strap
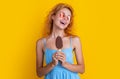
point(44, 41)
point(70, 41)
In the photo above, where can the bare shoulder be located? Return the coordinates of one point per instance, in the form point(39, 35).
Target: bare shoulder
point(76, 38)
point(39, 43)
point(76, 41)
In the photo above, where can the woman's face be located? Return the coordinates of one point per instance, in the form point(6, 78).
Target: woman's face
point(62, 18)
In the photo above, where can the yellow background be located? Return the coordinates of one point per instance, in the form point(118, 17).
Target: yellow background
point(96, 22)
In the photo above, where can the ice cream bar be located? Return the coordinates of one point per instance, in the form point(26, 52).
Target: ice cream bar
point(59, 43)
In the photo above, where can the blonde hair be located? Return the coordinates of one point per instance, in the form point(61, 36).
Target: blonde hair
point(49, 21)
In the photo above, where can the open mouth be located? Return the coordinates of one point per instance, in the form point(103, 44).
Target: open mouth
point(63, 23)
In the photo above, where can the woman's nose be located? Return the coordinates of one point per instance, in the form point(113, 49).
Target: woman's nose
point(65, 18)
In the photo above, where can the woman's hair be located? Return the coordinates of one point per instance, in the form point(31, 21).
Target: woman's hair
point(49, 21)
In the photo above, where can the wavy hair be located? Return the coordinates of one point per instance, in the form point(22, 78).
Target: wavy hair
point(55, 9)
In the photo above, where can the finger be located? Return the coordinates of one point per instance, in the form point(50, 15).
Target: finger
point(55, 54)
point(61, 60)
point(60, 54)
point(55, 59)
point(60, 57)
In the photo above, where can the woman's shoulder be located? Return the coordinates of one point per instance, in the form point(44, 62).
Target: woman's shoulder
point(40, 40)
point(76, 39)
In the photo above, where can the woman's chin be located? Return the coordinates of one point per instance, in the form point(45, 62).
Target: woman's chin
point(62, 27)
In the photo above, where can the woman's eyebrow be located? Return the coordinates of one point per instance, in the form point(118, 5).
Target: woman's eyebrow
point(64, 13)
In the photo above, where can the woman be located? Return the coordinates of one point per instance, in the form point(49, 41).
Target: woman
point(60, 21)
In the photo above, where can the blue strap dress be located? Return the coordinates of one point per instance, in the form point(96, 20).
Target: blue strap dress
point(60, 72)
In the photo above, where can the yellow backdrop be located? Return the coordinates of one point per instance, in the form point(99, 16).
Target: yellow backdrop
point(96, 22)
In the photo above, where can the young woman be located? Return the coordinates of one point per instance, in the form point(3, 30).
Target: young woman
point(60, 20)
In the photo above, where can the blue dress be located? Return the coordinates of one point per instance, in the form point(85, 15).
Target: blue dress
point(59, 72)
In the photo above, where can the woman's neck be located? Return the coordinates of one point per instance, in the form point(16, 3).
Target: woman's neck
point(57, 32)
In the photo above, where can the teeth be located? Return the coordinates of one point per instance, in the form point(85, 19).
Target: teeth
point(62, 22)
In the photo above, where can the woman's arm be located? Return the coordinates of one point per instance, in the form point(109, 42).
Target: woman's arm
point(39, 60)
point(79, 67)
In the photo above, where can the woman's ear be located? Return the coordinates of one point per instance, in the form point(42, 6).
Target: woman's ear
point(53, 16)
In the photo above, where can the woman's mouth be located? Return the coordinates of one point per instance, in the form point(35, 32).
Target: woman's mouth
point(63, 22)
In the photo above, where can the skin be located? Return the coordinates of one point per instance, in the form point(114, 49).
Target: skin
point(58, 29)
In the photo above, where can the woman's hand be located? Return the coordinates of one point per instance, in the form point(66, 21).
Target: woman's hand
point(61, 56)
point(54, 59)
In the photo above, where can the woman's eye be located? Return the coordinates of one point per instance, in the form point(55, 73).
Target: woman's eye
point(68, 18)
point(62, 15)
